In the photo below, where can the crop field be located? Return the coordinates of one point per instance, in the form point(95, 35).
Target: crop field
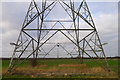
point(62, 68)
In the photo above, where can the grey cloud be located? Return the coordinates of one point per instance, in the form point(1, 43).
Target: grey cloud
point(14, 13)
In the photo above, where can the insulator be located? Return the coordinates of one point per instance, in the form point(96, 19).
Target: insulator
point(58, 44)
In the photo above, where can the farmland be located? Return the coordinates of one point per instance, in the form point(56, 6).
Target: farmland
point(63, 68)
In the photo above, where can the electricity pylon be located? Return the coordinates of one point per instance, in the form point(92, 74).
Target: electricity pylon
point(35, 33)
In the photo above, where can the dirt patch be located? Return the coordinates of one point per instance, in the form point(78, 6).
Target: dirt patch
point(72, 65)
point(62, 69)
point(42, 65)
point(97, 69)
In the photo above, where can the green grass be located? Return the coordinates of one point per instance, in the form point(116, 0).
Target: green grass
point(5, 63)
point(55, 62)
point(113, 65)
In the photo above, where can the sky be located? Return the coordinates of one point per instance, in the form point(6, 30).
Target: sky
point(105, 16)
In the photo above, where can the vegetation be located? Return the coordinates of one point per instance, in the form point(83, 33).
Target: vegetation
point(63, 68)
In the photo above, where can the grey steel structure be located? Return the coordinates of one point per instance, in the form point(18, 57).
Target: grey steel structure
point(88, 45)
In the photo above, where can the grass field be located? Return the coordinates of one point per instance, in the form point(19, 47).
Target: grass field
point(63, 68)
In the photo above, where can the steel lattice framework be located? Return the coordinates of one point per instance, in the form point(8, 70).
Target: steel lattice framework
point(32, 39)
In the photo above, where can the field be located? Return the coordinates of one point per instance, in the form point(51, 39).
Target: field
point(63, 68)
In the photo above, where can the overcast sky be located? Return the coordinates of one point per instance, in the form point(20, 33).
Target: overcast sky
point(105, 15)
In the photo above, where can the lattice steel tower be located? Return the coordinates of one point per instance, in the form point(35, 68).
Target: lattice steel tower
point(40, 28)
